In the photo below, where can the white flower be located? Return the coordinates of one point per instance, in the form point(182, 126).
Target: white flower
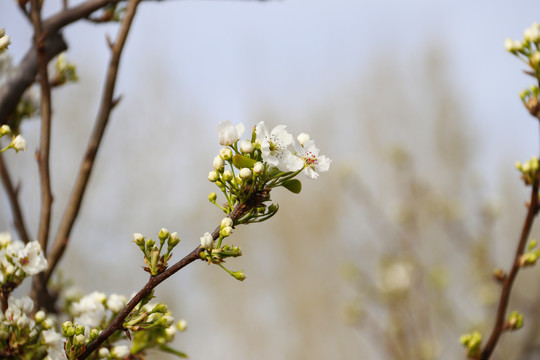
point(229, 134)
point(55, 344)
point(5, 130)
point(90, 310)
point(206, 241)
point(246, 147)
point(18, 143)
point(18, 308)
point(32, 259)
point(116, 302)
point(302, 138)
point(120, 352)
point(103, 353)
point(308, 158)
point(275, 145)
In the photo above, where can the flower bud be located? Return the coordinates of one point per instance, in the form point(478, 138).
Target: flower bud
point(163, 234)
point(245, 173)
point(212, 197)
point(181, 325)
point(207, 241)
point(18, 143)
point(138, 239)
point(227, 175)
point(5, 130)
point(246, 147)
point(302, 138)
point(238, 275)
point(225, 153)
point(174, 240)
point(5, 41)
point(226, 231)
point(258, 168)
point(103, 353)
point(218, 163)
point(213, 176)
point(40, 316)
point(226, 221)
point(79, 339)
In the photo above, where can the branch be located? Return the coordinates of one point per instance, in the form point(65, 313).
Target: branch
point(117, 323)
point(107, 104)
point(498, 327)
point(12, 193)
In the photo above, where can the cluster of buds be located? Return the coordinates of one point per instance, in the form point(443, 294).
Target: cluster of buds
point(155, 261)
point(472, 342)
point(77, 336)
point(528, 170)
point(528, 50)
point(216, 253)
point(5, 40)
point(18, 143)
point(23, 334)
point(65, 71)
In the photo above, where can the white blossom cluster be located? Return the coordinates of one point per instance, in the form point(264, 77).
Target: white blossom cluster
point(18, 260)
point(278, 147)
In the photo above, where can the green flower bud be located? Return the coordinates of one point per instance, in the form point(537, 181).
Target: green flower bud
point(227, 175)
point(238, 275)
point(213, 176)
point(5, 130)
point(181, 325)
point(174, 240)
point(138, 239)
point(225, 153)
point(212, 197)
point(163, 234)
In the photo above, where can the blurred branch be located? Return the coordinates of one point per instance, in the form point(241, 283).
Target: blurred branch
point(12, 193)
point(508, 281)
point(117, 323)
point(107, 104)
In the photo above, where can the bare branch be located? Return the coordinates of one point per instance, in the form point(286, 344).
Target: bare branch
point(107, 104)
point(12, 193)
point(498, 327)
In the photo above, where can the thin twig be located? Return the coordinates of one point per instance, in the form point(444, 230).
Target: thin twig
point(499, 325)
point(12, 193)
point(107, 104)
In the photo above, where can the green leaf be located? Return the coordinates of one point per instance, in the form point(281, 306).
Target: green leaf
point(241, 161)
point(293, 185)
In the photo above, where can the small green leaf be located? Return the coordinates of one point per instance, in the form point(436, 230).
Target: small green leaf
point(240, 161)
point(170, 350)
point(293, 185)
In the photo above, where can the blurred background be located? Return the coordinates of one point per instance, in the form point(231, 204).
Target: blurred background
point(387, 256)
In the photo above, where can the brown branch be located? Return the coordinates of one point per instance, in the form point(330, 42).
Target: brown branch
point(39, 290)
point(107, 104)
point(12, 193)
point(499, 325)
point(117, 323)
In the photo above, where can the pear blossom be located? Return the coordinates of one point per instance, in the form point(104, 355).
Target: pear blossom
point(89, 310)
point(275, 145)
point(55, 344)
point(511, 45)
point(245, 173)
point(116, 302)
point(229, 134)
point(308, 158)
point(218, 163)
point(18, 309)
point(32, 259)
point(258, 168)
point(120, 352)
